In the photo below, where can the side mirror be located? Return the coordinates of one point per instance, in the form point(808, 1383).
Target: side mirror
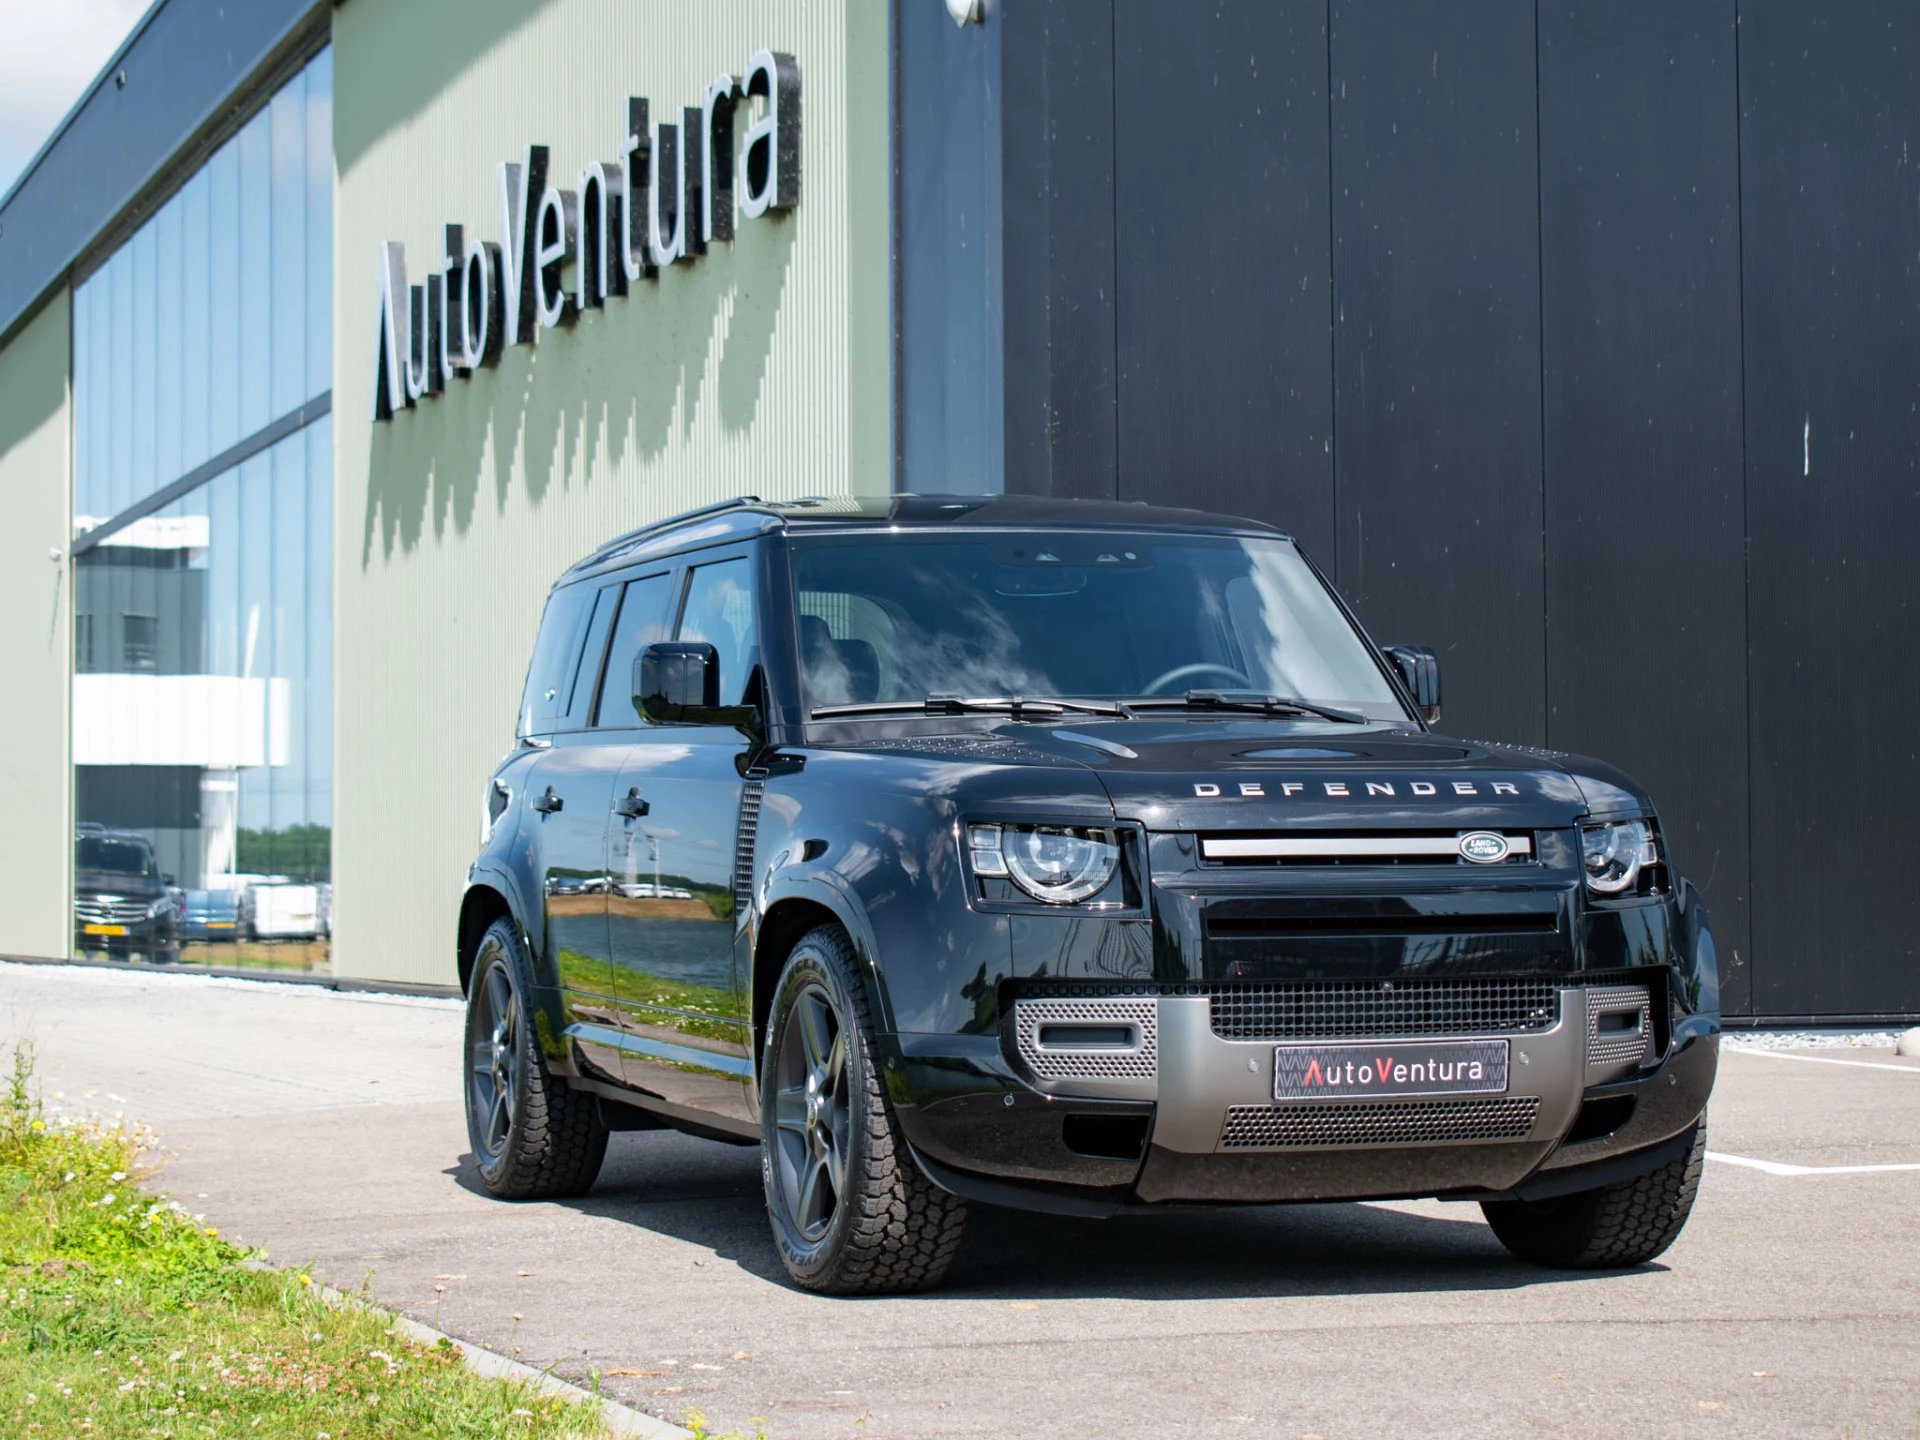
point(1419, 670)
point(677, 682)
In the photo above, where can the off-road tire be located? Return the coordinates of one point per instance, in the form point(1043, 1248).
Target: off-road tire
point(555, 1140)
point(893, 1230)
point(1609, 1228)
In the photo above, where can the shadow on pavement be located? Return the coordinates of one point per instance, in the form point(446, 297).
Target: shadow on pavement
point(708, 1194)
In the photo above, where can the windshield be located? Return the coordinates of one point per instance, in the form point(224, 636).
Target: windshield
point(897, 617)
point(119, 857)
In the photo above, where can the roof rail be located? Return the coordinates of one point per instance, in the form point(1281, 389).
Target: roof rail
point(737, 502)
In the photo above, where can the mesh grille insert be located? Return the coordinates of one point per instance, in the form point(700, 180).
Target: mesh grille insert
point(1620, 1046)
point(1062, 1060)
point(1318, 1127)
point(1330, 1009)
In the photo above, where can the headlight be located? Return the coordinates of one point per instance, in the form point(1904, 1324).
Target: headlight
point(160, 907)
point(1614, 855)
point(1058, 864)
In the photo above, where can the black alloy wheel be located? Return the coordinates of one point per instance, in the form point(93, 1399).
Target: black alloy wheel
point(533, 1138)
point(812, 1120)
point(493, 1080)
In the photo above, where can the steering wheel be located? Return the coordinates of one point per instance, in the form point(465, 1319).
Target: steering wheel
point(1182, 672)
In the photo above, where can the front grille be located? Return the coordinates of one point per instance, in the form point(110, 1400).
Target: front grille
point(1328, 1127)
point(110, 912)
point(1397, 847)
point(1065, 1060)
point(1372, 1009)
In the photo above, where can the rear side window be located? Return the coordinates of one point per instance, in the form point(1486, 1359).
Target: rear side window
point(556, 658)
point(642, 621)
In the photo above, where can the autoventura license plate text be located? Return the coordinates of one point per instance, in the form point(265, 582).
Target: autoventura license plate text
point(1474, 1067)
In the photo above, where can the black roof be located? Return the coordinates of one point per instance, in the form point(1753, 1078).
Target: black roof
point(748, 515)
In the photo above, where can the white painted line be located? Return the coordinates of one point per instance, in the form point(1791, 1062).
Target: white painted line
point(1779, 1167)
point(1823, 1060)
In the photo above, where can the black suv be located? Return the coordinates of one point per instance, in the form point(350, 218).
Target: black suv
point(122, 904)
point(1063, 855)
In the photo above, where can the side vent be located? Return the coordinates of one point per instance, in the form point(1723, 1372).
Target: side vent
point(743, 847)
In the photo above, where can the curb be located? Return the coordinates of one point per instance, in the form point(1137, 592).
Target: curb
point(621, 1419)
point(260, 974)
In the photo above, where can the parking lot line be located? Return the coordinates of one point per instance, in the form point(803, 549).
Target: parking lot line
point(1780, 1167)
point(1823, 1060)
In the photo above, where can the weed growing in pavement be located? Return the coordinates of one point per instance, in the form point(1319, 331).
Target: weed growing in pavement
point(121, 1314)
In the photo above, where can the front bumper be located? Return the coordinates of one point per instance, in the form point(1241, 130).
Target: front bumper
point(136, 936)
point(1186, 1114)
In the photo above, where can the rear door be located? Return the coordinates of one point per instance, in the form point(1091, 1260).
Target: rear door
point(567, 798)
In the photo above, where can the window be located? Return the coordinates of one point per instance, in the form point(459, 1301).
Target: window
point(719, 610)
point(556, 655)
point(1091, 614)
point(140, 641)
point(202, 697)
point(642, 621)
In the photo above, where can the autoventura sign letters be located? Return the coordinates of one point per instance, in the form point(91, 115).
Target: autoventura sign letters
point(668, 197)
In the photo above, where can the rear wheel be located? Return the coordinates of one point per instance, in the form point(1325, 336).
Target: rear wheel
point(1608, 1228)
point(532, 1137)
point(852, 1213)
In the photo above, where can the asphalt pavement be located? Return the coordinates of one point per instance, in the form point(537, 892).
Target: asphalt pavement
point(326, 1128)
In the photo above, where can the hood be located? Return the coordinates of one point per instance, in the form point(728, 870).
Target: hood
point(1221, 772)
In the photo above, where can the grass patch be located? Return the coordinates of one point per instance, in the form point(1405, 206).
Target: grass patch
point(124, 1315)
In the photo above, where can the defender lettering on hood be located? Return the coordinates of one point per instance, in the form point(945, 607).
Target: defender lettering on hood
point(1347, 789)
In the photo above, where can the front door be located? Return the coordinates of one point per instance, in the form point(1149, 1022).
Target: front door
point(672, 911)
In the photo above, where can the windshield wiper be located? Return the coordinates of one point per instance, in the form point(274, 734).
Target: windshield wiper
point(1244, 700)
point(1020, 707)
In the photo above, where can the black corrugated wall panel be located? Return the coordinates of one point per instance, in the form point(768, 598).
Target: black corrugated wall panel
point(1057, 182)
point(1830, 152)
point(1436, 291)
point(1640, 284)
point(1579, 340)
point(1224, 290)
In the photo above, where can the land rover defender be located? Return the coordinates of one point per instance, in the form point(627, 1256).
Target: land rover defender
point(1065, 855)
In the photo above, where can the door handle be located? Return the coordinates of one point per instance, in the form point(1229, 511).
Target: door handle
point(632, 807)
point(548, 803)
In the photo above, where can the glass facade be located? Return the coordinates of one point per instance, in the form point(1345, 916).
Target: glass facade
point(202, 693)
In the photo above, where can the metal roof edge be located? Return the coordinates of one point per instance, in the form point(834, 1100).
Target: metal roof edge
point(17, 308)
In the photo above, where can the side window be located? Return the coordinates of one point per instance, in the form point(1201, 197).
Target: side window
point(719, 610)
point(593, 648)
point(556, 655)
point(642, 620)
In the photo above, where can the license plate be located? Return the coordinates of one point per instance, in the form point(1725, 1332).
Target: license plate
point(219, 924)
point(1437, 1067)
point(103, 930)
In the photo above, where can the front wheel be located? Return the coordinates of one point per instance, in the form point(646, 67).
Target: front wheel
point(1608, 1228)
point(852, 1213)
point(532, 1137)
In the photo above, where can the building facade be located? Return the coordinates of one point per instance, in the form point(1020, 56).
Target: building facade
point(1577, 341)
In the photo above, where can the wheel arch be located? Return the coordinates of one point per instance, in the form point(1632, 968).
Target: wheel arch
point(479, 908)
point(790, 913)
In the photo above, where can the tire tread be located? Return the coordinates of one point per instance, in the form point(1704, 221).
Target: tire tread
point(904, 1230)
point(1611, 1227)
